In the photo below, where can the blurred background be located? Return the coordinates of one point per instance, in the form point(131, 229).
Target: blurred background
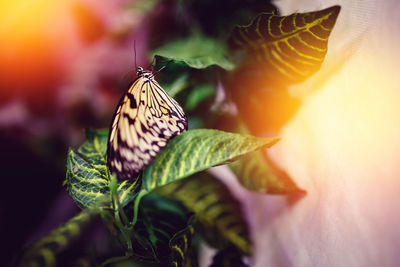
point(63, 68)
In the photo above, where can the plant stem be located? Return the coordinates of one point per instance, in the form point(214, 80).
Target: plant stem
point(119, 213)
point(141, 194)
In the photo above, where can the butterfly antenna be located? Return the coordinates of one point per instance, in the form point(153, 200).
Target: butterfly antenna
point(163, 67)
point(134, 50)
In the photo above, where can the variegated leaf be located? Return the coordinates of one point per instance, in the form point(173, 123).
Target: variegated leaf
point(289, 48)
point(197, 150)
point(180, 245)
point(87, 177)
point(44, 251)
point(219, 215)
point(255, 170)
point(165, 230)
point(258, 173)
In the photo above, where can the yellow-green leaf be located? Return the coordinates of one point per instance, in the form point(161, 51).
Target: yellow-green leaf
point(166, 227)
point(44, 251)
point(255, 170)
point(218, 213)
point(86, 184)
point(88, 178)
point(197, 150)
point(180, 245)
point(258, 173)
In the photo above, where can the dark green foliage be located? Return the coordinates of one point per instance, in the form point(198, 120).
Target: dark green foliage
point(218, 213)
point(165, 229)
point(182, 253)
point(44, 252)
point(196, 51)
point(151, 237)
point(197, 95)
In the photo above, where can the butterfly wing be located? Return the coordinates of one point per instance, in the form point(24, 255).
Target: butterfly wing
point(146, 118)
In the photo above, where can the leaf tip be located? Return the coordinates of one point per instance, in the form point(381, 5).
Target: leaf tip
point(335, 9)
point(272, 141)
point(332, 13)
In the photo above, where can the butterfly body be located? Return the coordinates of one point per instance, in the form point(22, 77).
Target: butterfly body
point(145, 120)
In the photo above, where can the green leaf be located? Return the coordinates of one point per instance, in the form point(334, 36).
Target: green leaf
point(85, 183)
point(177, 85)
point(197, 150)
point(88, 178)
point(255, 170)
point(290, 48)
point(196, 51)
point(199, 94)
point(219, 215)
point(258, 173)
point(127, 191)
point(180, 245)
point(165, 230)
point(44, 252)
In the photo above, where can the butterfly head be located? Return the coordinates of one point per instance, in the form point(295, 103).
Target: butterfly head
point(140, 72)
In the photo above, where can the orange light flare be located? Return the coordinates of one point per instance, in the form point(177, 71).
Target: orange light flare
point(37, 39)
point(263, 103)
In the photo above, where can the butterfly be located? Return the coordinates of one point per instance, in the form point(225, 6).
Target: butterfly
point(145, 119)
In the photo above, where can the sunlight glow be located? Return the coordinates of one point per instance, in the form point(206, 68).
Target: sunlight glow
point(352, 120)
point(32, 33)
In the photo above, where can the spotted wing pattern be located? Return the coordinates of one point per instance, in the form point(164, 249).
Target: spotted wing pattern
point(292, 47)
point(145, 119)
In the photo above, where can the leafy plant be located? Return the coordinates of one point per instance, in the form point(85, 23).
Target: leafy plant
point(157, 217)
